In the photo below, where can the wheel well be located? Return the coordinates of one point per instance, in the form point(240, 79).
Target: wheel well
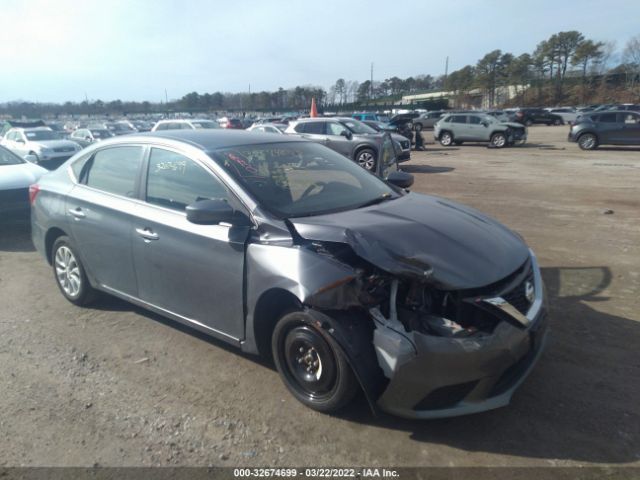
point(363, 147)
point(588, 132)
point(271, 306)
point(52, 235)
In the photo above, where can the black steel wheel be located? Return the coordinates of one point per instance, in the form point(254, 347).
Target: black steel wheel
point(311, 364)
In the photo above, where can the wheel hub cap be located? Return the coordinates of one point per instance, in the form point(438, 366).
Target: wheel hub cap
point(67, 271)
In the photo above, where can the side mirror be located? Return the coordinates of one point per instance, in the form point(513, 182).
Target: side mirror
point(347, 134)
point(400, 179)
point(31, 158)
point(209, 212)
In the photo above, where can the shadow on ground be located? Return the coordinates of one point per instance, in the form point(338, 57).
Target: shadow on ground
point(425, 169)
point(580, 402)
point(15, 236)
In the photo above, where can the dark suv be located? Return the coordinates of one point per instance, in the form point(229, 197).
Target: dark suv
point(529, 116)
point(606, 128)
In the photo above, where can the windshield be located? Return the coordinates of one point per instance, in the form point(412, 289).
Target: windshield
point(205, 124)
point(301, 179)
point(357, 126)
point(8, 158)
point(101, 133)
point(41, 135)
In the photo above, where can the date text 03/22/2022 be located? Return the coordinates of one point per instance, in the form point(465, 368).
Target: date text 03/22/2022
point(316, 472)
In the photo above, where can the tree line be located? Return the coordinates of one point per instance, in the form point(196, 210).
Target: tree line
point(566, 68)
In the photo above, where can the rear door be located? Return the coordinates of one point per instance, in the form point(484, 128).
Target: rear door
point(193, 271)
point(100, 211)
point(631, 129)
point(475, 130)
point(459, 127)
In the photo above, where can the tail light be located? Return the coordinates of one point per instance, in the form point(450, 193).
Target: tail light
point(33, 193)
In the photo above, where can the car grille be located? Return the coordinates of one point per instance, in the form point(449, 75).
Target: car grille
point(14, 199)
point(517, 297)
point(63, 149)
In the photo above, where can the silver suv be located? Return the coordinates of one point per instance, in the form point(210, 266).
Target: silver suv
point(465, 127)
point(350, 137)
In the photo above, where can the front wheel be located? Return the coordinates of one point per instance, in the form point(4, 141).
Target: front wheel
point(446, 139)
point(69, 273)
point(366, 158)
point(498, 140)
point(311, 364)
point(587, 141)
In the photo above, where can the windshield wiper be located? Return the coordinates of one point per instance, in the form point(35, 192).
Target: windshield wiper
point(383, 198)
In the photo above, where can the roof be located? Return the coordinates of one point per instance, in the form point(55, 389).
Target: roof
point(214, 139)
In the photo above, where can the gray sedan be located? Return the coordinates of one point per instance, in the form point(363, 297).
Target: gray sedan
point(283, 247)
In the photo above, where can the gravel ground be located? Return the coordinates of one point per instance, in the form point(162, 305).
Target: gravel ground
point(114, 385)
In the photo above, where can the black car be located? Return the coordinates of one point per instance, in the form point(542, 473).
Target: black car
point(606, 128)
point(529, 116)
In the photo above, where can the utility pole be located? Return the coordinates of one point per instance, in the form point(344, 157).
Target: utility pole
point(371, 84)
point(446, 67)
point(166, 97)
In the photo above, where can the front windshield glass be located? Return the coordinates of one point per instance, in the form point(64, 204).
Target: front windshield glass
point(36, 135)
point(205, 124)
point(357, 127)
point(301, 179)
point(8, 158)
point(101, 133)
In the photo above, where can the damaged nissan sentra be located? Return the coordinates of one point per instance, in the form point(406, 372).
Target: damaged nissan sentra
point(285, 248)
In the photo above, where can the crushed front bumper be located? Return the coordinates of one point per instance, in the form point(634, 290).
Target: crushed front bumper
point(448, 376)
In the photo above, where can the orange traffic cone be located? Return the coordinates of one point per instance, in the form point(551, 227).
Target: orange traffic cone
point(314, 109)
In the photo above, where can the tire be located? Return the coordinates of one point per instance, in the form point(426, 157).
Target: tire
point(446, 139)
point(417, 127)
point(69, 273)
point(499, 140)
point(366, 158)
point(557, 122)
point(528, 122)
point(587, 141)
point(311, 364)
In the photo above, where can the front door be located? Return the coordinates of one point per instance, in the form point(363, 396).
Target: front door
point(194, 271)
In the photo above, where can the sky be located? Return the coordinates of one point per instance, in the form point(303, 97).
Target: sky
point(59, 50)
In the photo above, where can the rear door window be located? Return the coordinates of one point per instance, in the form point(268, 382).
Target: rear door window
point(114, 170)
point(459, 119)
point(316, 128)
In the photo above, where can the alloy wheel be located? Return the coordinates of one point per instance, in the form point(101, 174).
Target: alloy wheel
point(68, 271)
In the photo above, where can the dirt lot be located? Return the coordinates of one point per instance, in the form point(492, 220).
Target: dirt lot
point(115, 385)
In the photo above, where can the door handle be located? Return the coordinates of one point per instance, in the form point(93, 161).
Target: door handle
point(77, 212)
point(147, 234)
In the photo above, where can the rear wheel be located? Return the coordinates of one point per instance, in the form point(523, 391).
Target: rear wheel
point(69, 273)
point(417, 127)
point(311, 364)
point(366, 158)
point(446, 139)
point(587, 141)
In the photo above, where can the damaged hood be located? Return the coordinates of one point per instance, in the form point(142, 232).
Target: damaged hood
point(443, 243)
